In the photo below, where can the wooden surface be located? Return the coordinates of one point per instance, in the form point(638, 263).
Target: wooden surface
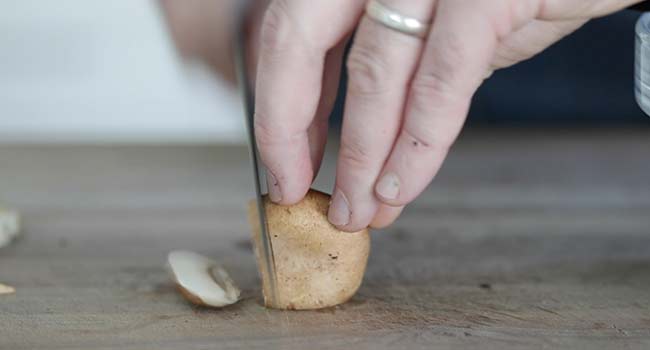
point(526, 240)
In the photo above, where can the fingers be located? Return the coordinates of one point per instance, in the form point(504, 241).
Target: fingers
point(456, 58)
point(317, 132)
point(398, 126)
point(380, 66)
point(385, 216)
point(296, 35)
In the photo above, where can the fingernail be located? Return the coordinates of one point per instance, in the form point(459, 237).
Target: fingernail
point(274, 187)
point(339, 212)
point(388, 186)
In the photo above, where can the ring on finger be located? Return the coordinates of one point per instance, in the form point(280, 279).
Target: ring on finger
point(392, 19)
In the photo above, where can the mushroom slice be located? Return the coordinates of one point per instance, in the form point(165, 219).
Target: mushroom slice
point(201, 280)
point(9, 226)
point(5, 289)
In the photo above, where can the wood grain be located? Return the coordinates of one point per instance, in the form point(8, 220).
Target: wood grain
point(525, 240)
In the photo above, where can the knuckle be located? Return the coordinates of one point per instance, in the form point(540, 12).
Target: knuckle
point(441, 79)
point(519, 13)
point(456, 50)
point(271, 132)
point(265, 133)
point(284, 32)
point(367, 71)
point(276, 31)
point(431, 85)
point(509, 53)
point(354, 154)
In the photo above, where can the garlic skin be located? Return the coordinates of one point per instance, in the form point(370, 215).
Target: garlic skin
point(9, 226)
point(201, 280)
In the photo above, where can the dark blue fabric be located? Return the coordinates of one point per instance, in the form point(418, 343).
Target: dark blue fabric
point(586, 78)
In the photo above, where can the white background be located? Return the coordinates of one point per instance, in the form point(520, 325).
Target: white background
point(104, 71)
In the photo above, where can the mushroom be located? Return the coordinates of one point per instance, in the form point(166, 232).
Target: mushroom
point(9, 226)
point(201, 280)
point(316, 264)
point(5, 289)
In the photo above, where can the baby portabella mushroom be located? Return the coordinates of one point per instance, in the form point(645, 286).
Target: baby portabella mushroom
point(316, 264)
point(201, 280)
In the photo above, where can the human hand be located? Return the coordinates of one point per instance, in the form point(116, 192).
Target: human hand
point(407, 97)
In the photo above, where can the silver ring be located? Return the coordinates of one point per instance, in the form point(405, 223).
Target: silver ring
point(395, 20)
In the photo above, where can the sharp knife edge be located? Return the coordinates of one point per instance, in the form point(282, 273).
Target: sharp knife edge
point(266, 250)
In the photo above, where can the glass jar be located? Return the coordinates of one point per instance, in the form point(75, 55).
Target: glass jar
point(642, 65)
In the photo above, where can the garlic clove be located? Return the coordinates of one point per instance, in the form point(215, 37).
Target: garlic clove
point(201, 280)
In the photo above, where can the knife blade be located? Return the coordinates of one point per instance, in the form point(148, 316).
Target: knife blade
point(265, 252)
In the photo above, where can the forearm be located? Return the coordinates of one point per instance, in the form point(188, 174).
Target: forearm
point(203, 29)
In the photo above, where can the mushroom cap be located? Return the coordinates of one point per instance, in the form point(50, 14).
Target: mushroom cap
point(317, 265)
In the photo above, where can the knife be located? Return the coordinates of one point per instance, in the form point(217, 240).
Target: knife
point(265, 252)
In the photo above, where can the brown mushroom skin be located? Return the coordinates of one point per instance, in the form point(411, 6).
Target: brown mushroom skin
point(317, 265)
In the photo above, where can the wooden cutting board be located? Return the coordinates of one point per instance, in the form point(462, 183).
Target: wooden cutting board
point(525, 240)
